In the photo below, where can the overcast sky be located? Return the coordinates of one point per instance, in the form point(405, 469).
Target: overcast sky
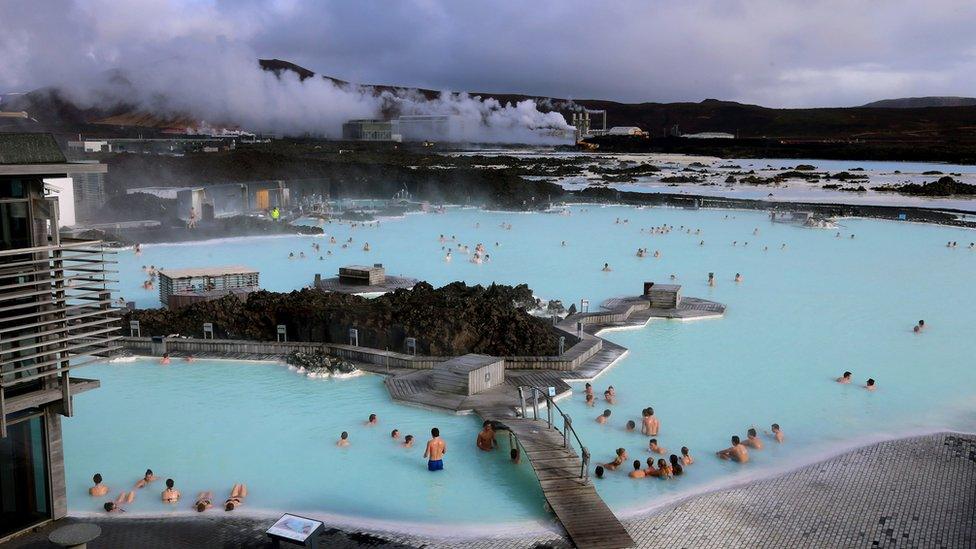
point(774, 53)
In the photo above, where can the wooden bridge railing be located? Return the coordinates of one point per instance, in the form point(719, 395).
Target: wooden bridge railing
point(551, 405)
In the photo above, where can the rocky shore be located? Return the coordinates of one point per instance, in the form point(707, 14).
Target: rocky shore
point(923, 215)
point(452, 320)
point(237, 226)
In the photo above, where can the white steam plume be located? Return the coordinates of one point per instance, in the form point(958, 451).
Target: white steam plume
point(226, 86)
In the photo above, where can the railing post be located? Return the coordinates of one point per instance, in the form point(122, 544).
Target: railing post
point(585, 473)
point(549, 413)
point(67, 408)
point(567, 425)
point(535, 403)
point(522, 400)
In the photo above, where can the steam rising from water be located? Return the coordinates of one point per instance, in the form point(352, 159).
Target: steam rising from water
point(228, 87)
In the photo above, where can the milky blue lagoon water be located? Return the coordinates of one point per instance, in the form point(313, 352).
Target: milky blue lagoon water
point(802, 315)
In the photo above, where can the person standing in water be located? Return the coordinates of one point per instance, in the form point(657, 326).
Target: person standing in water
point(436, 448)
point(486, 438)
point(650, 425)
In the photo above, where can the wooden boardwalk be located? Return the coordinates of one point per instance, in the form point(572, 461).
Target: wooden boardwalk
point(582, 512)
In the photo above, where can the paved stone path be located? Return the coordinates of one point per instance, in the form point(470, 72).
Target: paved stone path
point(918, 492)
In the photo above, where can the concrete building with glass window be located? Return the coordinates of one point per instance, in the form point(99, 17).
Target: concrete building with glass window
point(56, 315)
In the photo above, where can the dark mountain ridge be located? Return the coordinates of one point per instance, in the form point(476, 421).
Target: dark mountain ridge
point(928, 121)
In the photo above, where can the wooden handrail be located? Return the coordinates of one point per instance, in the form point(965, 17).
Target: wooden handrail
point(567, 422)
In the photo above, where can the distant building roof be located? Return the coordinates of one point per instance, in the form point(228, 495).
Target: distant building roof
point(709, 135)
point(625, 130)
point(207, 271)
point(30, 148)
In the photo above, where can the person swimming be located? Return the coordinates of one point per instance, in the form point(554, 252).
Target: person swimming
point(606, 268)
point(598, 472)
point(738, 278)
point(686, 456)
point(236, 499)
point(617, 461)
point(846, 378)
point(408, 441)
point(603, 418)
point(753, 440)
point(664, 469)
point(651, 471)
point(870, 386)
point(590, 400)
point(711, 279)
point(608, 396)
point(631, 426)
point(165, 360)
point(146, 479)
point(676, 468)
point(652, 446)
point(395, 434)
point(170, 494)
point(372, 420)
point(637, 472)
point(116, 506)
point(366, 247)
point(777, 433)
point(99, 489)
point(737, 452)
point(343, 439)
point(204, 501)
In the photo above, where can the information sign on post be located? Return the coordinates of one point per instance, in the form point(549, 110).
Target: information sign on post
point(295, 529)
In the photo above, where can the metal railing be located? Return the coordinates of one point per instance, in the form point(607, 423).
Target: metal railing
point(551, 405)
point(55, 308)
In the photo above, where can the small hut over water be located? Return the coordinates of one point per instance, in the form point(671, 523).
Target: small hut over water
point(181, 287)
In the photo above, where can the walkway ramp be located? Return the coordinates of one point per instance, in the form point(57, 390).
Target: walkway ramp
point(587, 519)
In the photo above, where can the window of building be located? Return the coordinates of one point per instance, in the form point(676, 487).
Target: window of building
point(24, 483)
point(14, 225)
point(13, 188)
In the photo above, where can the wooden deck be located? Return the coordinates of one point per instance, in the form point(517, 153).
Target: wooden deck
point(586, 517)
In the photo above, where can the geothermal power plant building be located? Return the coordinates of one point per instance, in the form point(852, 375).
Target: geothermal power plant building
point(371, 130)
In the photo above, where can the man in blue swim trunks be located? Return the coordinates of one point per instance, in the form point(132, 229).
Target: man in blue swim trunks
point(436, 448)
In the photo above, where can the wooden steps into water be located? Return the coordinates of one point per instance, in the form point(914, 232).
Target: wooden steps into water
point(586, 517)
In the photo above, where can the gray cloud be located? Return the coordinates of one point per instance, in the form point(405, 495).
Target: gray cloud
point(771, 52)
